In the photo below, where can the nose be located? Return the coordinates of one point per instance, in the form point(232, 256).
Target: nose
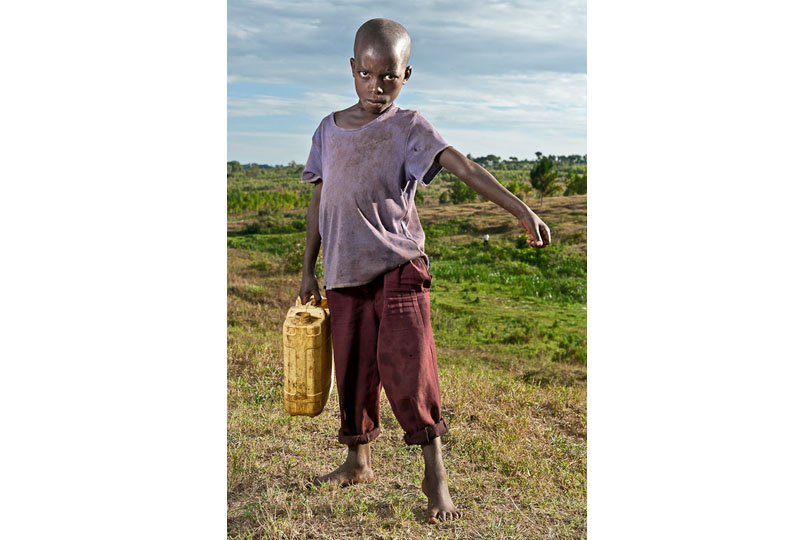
point(376, 87)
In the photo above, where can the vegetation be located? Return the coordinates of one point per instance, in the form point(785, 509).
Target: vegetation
point(544, 179)
point(255, 188)
point(510, 329)
point(460, 192)
point(576, 184)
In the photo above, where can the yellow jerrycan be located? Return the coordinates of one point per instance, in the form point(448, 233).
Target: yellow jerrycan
point(307, 358)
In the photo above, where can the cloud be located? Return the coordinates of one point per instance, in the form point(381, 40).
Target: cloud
point(293, 41)
point(268, 147)
point(515, 142)
point(516, 68)
point(310, 104)
point(512, 99)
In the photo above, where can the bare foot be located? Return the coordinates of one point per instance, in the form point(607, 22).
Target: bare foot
point(440, 505)
point(356, 469)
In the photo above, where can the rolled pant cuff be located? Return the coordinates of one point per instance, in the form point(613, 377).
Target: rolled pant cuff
point(365, 438)
point(425, 435)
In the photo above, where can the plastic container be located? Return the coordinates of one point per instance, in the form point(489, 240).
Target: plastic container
point(308, 377)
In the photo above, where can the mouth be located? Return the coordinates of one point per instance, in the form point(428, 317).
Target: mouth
point(375, 102)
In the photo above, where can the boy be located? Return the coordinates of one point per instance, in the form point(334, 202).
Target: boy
point(365, 163)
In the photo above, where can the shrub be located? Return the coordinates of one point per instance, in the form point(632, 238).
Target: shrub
point(516, 187)
point(242, 201)
point(576, 184)
point(461, 193)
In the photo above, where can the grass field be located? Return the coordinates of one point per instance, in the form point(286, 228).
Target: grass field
point(510, 328)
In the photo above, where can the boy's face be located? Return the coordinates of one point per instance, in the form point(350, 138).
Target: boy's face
point(379, 73)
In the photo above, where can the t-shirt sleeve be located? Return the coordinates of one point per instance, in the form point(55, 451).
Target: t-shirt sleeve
point(424, 144)
point(313, 170)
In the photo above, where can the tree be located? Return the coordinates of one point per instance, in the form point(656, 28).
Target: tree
point(490, 160)
point(234, 166)
point(544, 179)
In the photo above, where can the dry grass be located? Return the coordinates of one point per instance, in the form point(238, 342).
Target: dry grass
point(515, 452)
point(566, 216)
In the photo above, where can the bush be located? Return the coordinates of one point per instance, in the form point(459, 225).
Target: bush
point(516, 187)
point(461, 193)
point(242, 201)
point(576, 184)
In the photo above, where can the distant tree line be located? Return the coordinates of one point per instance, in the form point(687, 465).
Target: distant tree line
point(492, 161)
point(257, 169)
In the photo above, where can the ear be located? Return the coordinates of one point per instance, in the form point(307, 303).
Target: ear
point(351, 63)
point(407, 74)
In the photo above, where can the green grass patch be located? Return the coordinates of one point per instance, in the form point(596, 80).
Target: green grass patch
point(554, 274)
point(287, 245)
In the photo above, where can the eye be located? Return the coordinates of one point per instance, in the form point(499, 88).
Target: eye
point(363, 73)
point(390, 77)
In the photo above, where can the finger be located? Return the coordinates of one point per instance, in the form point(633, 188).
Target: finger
point(537, 239)
point(545, 233)
point(541, 235)
point(532, 236)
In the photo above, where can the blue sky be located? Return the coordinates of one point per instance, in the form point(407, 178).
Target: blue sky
point(505, 78)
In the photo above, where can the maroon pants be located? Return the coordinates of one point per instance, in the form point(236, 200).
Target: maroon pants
point(381, 335)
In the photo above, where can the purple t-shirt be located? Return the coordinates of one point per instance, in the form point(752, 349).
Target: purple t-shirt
point(368, 219)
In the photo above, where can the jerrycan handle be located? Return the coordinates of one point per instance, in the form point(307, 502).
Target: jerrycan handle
point(311, 302)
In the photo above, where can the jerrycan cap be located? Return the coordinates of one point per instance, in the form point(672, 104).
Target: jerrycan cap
point(303, 318)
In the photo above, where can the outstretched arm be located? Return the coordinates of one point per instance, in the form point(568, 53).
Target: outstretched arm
point(475, 176)
point(309, 283)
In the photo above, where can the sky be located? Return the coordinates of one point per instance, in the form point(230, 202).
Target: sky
point(505, 78)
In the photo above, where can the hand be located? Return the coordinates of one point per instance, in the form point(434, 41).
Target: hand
point(539, 233)
point(309, 288)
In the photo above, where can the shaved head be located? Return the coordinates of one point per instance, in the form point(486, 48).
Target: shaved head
point(384, 34)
